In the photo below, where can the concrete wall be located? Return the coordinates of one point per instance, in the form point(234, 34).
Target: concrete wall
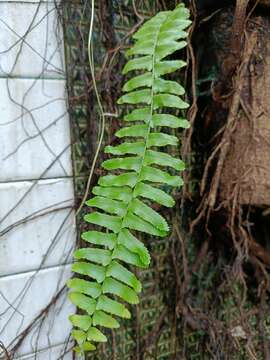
point(37, 223)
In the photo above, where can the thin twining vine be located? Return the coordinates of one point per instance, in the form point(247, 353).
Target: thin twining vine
point(100, 107)
point(124, 197)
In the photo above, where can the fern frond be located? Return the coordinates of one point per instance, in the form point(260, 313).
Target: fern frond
point(123, 199)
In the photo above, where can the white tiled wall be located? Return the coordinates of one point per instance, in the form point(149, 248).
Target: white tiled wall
point(28, 293)
point(40, 54)
point(37, 222)
point(51, 353)
point(34, 129)
point(40, 231)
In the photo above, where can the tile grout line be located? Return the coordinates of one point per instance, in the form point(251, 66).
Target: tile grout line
point(5, 182)
point(26, 77)
point(17, 274)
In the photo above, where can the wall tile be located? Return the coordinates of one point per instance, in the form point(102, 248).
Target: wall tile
point(30, 38)
point(34, 128)
point(23, 297)
point(60, 352)
point(34, 231)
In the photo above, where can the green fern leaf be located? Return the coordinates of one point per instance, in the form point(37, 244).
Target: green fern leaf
point(110, 222)
point(149, 192)
point(126, 239)
point(143, 63)
point(160, 139)
point(122, 253)
point(114, 287)
point(108, 205)
point(105, 320)
point(112, 307)
point(136, 97)
point(134, 222)
point(170, 121)
point(119, 272)
point(99, 238)
point(143, 114)
point(127, 163)
point(98, 256)
point(124, 194)
point(139, 171)
point(163, 159)
point(94, 271)
point(79, 336)
point(126, 179)
point(92, 289)
point(167, 86)
point(133, 131)
point(83, 322)
point(136, 148)
point(138, 81)
point(168, 100)
point(83, 302)
point(147, 213)
point(93, 334)
point(168, 66)
point(156, 175)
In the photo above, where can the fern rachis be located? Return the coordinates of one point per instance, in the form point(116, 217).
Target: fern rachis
point(124, 197)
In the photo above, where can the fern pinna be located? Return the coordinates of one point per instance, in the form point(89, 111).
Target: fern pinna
point(124, 196)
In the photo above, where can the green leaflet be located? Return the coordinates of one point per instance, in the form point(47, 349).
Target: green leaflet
point(153, 25)
point(90, 288)
point(168, 100)
point(99, 238)
point(79, 336)
point(172, 34)
point(127, 163)
point(83, 302)
point(136, 148)
point(93, 334)
point(98, 256)
point(134, 245)
point(169, 34)
point(167, 86)
point(133, 131)
point(143, 63)
point(134, 222)
point(165, 48)
point(105, 320)
point(159, 86)
point(122, 253)
point(83, 322)
point(123, 194)
point(112, 286)
point(94, 271)
point(168, 66)
point(113, 307)
point(84, 347)
point(110, 222)
point(109, 205)
point(136, 97)
point(119, 272)
point(163, 159)
point(149, 192)
point(138, 81)
point(170, 121)
point(156, 175)
point(160, 139)
point(143, 114)
point(142, 47)
point(146, 212)
point(138, 173)
point(127, 179)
